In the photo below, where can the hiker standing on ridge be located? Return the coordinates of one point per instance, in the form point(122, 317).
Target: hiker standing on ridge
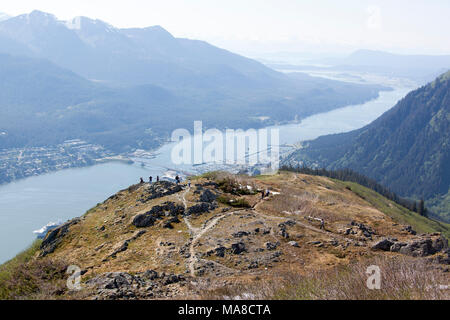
point(142, 180)
point(150, 179)
point(177, 179)
point(322, 224)
point(157, 178)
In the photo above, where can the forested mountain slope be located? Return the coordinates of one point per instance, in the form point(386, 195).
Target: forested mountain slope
point(407, 148)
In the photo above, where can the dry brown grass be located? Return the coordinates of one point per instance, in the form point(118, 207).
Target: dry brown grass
point(310, 270)
point(292, 201)
point(403, 278)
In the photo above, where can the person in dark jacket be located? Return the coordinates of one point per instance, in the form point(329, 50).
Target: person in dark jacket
point(322, 224)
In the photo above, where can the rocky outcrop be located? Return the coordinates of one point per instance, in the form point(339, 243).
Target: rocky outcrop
point(149, 218)
point(54, 237)
point(160, 189)
point(145, 285)
point(200, 208)
point(238, 247)
point(361, 229)
point(208, 196)
point(384, 245)
point(424, 247)
point(420, 247)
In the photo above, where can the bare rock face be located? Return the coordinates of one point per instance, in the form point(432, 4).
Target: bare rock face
point(149, 218)
point(54, 237)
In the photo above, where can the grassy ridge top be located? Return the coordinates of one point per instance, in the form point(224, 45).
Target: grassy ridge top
point(218, 233)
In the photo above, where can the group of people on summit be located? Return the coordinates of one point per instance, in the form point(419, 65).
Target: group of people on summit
point(177, 179)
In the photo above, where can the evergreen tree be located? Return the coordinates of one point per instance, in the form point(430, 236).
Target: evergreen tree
point(414, 208)
point(421, 209)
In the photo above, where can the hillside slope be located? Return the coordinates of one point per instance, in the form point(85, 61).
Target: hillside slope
point(169, 241)
point(44, 104)
point(406, 149)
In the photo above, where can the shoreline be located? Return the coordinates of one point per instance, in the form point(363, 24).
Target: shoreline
point(126, 158)
point(118, 158)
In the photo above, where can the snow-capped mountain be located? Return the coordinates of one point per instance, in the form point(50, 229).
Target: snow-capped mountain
point(97, 50)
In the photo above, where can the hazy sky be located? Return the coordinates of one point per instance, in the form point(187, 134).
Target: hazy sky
point(257, 26)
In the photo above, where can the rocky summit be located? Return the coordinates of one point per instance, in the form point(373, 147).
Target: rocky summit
point(163, 240)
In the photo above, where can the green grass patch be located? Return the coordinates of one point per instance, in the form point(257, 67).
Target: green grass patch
point(230, 201)
point(9, 268)
point(25, 277)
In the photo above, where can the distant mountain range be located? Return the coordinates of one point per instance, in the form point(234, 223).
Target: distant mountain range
point(98, 51)
point(386, 59)
point(421, 68)
point(407, 148)
point(143, 83)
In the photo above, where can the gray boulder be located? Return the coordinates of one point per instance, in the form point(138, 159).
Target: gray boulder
point(293, 244)
point(238, 247)
point(397, 246)
point(384, 245)
point(240, 234)
point(271, 245)
point(220, 251)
